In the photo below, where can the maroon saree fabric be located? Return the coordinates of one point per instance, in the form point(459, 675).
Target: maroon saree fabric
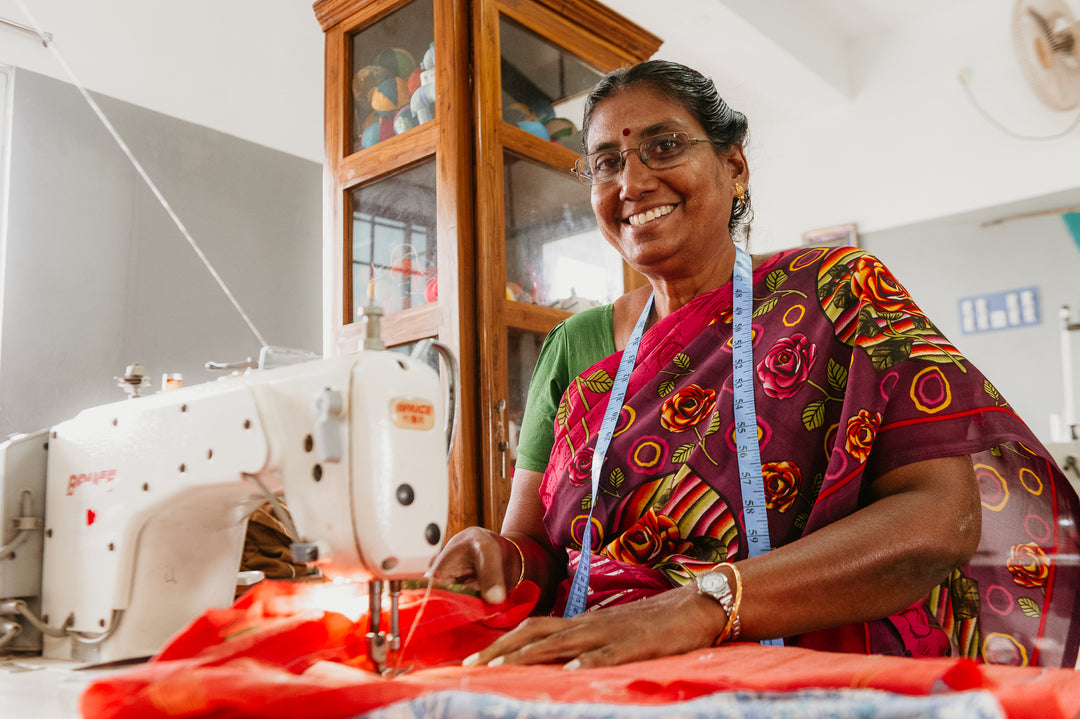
point(852, 381)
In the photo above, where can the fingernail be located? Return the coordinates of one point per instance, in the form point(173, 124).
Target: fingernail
point(496, 662)
point(495, 595)
point(471, 660)
point(572, 665)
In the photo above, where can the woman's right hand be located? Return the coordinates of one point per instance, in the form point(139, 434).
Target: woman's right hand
point(481, 559)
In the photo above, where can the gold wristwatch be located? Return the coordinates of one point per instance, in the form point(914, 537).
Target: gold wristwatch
point(714, 584)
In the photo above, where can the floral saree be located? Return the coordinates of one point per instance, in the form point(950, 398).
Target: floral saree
point(852, 381)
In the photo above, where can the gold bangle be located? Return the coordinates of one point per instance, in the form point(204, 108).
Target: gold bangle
point(733, 630)
point(521, 554)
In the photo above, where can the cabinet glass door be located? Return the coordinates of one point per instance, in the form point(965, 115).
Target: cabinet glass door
point(392, 88)
point(543, 86)
point(555, 254)
point(393, 249)
point(523, 349)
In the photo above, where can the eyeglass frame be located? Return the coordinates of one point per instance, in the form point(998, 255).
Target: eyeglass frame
point(586, 179)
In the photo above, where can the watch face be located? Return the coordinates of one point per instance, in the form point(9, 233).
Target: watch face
point(714, 583)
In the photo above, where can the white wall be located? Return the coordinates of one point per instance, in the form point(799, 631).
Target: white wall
point(910, 146)
point(98, 277)
point(248, 68)
point(874, 130)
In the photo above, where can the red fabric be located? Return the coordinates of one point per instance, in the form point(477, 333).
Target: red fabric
point(266, 657)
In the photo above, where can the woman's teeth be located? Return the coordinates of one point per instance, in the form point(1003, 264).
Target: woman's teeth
point(642, 217)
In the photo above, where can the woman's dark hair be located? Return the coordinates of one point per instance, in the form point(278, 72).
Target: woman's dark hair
point(725, 126)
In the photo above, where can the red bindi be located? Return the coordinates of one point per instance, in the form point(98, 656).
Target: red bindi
point(626, 131)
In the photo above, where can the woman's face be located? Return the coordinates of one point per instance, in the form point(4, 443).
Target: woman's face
point(666, 223)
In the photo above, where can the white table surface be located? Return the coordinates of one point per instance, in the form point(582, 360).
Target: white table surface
point(39, 688)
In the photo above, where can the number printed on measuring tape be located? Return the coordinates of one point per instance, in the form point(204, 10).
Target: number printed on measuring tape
point(746, 439)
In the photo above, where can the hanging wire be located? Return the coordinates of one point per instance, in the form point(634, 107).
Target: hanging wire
point(45, 37)
point(145, 176)
point(964, 76)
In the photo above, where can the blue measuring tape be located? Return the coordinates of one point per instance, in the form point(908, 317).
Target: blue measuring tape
point(755, 519)
point(746, 436)
point(575, 603)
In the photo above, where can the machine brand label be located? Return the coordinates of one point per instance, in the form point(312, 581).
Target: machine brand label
point(412, 413)
point(103, 477)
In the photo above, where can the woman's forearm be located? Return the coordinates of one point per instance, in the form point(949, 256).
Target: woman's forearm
point(879, 560)
point(524, 523)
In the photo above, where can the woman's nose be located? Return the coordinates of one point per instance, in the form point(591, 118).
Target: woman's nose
point(635, 176)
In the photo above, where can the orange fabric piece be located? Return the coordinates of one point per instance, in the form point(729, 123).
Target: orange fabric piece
point(269, 657)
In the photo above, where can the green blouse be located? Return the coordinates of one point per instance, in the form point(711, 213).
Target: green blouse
point(572, 346)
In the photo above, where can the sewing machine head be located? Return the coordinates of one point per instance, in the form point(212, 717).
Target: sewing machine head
point(147, 499)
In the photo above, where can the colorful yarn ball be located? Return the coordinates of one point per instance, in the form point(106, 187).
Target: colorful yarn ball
point(427, 85)
point(422, 110)
point(377, 132)
point(559, 128)
point(428, 61)
point(534, 127)
point(365, 81)
point(542, 110)
point(518, 112)
point(404, 120)
point(390, 96)
point(398, 61)
point(415, 80)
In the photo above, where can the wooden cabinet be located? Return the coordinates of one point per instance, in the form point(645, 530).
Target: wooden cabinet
point(451, 126)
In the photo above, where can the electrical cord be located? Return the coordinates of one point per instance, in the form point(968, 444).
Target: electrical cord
point(963, 77)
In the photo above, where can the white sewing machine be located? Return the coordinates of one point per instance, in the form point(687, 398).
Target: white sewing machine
point(125, 523)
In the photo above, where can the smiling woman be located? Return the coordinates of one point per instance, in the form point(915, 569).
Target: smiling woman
point(850, 520)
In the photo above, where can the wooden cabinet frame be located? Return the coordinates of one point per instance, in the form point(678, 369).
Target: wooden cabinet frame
point(467, 139)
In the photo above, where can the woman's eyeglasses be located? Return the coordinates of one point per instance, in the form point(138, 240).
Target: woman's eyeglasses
point(659, 153)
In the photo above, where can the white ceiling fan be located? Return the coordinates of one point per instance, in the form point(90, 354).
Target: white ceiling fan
point(1046, 39)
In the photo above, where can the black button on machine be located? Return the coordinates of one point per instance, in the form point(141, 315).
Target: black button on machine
point(433, 534)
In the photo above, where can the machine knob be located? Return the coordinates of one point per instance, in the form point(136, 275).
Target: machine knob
point(405, 494)
point(433, 534)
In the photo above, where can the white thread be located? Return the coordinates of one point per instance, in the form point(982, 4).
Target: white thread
point(415, 623)
point(142, 173)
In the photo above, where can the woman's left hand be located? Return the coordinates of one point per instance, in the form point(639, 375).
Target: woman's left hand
point(672, 622)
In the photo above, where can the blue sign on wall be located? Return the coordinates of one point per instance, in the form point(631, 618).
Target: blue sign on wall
point(999, 310)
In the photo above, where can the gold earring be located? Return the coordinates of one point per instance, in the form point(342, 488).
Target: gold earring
point(740, 192)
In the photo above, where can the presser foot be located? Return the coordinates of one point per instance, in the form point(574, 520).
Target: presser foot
point(382, 648)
